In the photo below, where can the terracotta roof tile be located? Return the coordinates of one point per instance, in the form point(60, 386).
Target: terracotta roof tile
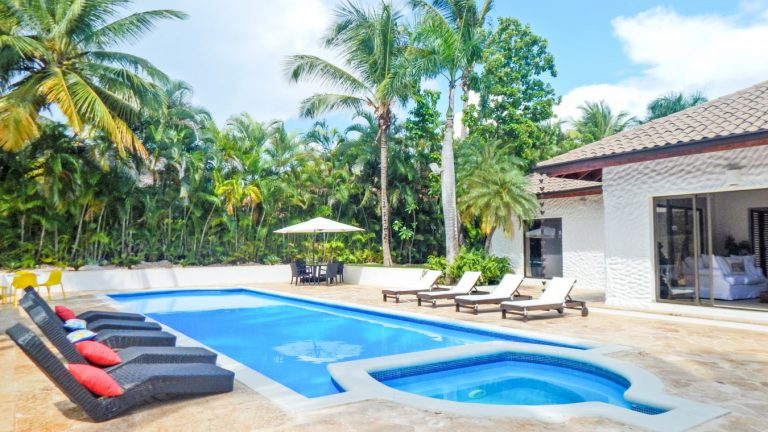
point(741, 112)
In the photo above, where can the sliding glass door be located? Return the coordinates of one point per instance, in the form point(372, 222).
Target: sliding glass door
point(683, 249)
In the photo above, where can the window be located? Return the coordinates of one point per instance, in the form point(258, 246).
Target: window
point(544, 248)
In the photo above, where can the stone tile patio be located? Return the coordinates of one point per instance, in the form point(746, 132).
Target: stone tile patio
point(721, 366)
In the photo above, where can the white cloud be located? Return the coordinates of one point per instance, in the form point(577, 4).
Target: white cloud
point(232, 51)
point(714, 54)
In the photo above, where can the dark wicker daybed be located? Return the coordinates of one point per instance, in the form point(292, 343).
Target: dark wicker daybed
point(141, 383)
point(135, 354)
point(100, 320)
point(112, 337)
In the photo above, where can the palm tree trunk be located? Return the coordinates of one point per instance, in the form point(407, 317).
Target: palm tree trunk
point(40, 244)
point(488, 241)
point(383, 120)
point(448, 180)
point(205, 227)
point(79, 230)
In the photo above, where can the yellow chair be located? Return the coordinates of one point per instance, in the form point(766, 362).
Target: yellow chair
point(21, 281)
point(53, 280)
point(3, 289)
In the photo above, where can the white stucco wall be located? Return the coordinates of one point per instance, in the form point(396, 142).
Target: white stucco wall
point(583, 243)
point(219, 276)
point(628, 193)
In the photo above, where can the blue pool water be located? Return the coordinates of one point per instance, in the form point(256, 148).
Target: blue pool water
point(513, 379)
point(292, 341)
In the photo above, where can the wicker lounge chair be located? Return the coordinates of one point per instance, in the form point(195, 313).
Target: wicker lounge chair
point(90, 316)
point(95, 325)
point(112, 337)
point(465, 285)
point(557, 296)
point(505, 290)
point(141, 383)
point(136, 354)
point(426, 283)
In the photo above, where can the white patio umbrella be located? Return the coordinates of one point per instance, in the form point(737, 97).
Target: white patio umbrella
point(318, 225)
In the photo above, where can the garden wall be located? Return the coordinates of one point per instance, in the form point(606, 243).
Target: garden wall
point(134, 279)
point(125, 279)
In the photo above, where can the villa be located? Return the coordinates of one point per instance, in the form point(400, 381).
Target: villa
point(661, 212)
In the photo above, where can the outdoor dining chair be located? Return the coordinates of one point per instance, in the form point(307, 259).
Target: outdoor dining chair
point(54, 279)
point(21, 281)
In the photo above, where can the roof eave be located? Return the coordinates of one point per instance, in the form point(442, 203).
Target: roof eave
point(731, 142)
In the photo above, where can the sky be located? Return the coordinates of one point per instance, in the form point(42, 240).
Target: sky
point(624, 52)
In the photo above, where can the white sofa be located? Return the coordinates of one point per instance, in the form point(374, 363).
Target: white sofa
point(734, 277)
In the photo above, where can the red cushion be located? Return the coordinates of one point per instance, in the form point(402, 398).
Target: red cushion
point(65, 313)
point(98, 353)
point(95, 380)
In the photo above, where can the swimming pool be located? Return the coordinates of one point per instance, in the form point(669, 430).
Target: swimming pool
point(306, 354)
point(292, 340)
point(514, 379)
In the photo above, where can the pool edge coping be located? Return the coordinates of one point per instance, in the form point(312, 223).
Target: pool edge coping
point(292, 401)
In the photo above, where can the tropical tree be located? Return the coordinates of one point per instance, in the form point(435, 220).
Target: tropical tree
point(516, 99)
point(671, 103)
point(494, 188)
point(59, 53)
point(598, 121)
point(447, 42)
point(375, 75)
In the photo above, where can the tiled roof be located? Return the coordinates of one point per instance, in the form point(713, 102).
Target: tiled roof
point(737, 113)
point(556, 184)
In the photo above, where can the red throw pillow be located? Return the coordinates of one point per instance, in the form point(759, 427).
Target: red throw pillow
point(65, 313)
point(95, 380)
point(98, 353)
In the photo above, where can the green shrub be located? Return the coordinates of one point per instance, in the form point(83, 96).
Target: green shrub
point(492, 267)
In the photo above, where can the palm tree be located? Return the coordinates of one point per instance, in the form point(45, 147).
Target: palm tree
point(598, 121)
point(671, 103)
point(374, 75)
point(494, 188)
point(58, 53)
point(447, 42)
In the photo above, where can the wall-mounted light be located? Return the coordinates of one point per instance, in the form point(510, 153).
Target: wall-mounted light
point(733, 176)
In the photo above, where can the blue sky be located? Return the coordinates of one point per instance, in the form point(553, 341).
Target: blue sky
point(625, 52)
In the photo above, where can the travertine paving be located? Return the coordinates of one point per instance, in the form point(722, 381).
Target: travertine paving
point(721, 366)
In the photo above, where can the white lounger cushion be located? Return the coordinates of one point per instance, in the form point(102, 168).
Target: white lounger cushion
point(504, 290)
point(425, 283)
point(555, 293)
point(466, 283)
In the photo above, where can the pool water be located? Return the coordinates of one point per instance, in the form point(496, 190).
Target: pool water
point(513, 379)
point(291, 341)
point(513, 383)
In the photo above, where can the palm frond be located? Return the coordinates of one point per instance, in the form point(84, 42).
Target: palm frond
point(130, 28)
point(313, 68)
point(318, 104)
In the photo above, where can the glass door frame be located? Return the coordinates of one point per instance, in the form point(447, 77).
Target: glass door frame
point(697, 252)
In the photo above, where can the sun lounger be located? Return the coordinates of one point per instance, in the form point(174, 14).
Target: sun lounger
point(145, 355)
point(141, 383)
point(91, 316)
point(426, 283)
point(465, 285)
point(103, 323)
point(506, 290)
point(112, 337)
point(557, 296)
